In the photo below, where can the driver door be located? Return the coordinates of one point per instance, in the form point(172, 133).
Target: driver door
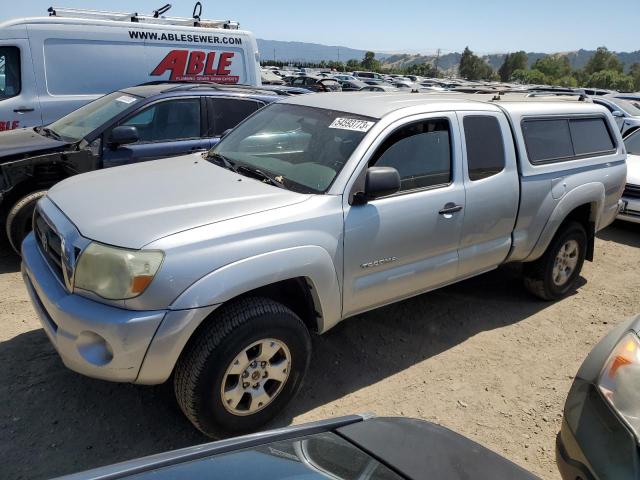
point(165, 128)
point(19, 102)
point(407, 243)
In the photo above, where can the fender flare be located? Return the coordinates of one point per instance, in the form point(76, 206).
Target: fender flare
point(589, 193)
point(310, 262)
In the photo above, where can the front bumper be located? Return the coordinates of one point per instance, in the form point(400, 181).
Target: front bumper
point(630, 211)
point(91, 338)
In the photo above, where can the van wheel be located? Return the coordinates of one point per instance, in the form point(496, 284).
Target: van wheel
point(243, 368)
point(554, 274)
point(18, 222)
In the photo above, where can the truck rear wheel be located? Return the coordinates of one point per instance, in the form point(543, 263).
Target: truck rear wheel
point(18, 222)
point(243, 368)
point(554, 275)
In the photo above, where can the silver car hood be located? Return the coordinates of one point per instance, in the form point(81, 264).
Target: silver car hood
point(633, 169)
point(133, 205)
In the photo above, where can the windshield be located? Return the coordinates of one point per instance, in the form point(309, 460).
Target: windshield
point(632, 107)
point(306, 147)
point(79, 123)
point(632, 143)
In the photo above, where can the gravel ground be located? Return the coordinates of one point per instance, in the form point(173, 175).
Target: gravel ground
point(481, 357)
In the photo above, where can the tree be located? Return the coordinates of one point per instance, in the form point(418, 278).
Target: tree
point(611, 79)
point(370, 63)
point(353, 64)
point(532, 77)
point(603, 59)
point(634, 72)
point(512, 62)
point(553, 67)
point(473, 67)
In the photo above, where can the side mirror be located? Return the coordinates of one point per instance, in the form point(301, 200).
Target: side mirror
point(617, 114)
point(379, 182)
point(123, 135)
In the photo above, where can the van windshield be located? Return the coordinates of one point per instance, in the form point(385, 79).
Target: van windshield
point(9, 72)
point(79, 123)
point(301, 148)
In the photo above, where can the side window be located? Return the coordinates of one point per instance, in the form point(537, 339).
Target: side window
point(298, 82)
point(590, 136)
point(565, 139)
point(485, 147)
point(10, 84)
point(632, 143)
point(547, 140)
point(421, 152)
point(165, 121)
point(226, 113)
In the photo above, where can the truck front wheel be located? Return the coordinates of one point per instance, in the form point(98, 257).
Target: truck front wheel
point(243, 368)
point(554, 275)
point(18, 222)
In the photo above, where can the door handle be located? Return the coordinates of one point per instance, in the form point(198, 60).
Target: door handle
point(450, 208)
point(23, 109)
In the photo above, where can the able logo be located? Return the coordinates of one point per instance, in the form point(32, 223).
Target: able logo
point(198, 66)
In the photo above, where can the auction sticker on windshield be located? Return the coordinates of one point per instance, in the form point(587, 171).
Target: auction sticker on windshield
point(351, 124)
point(125, 99)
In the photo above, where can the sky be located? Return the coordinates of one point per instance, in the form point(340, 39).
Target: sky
point(412, 26)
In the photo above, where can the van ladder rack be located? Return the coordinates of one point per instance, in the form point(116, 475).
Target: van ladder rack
point(134, 17)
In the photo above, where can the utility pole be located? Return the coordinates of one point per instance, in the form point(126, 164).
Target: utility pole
point(274, 56)
point(437, 58)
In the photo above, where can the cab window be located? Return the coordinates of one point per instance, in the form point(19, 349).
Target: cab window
point(421, 152)
point(165, 121)
point(10, 85)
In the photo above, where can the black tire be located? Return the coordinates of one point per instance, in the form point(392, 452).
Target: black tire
point(203, 364)
point(538, 275)
point(18, 222)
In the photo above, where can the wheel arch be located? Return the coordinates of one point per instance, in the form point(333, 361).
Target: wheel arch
point(583, 204)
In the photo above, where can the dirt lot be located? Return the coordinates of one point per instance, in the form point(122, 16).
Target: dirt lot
point(481, 357)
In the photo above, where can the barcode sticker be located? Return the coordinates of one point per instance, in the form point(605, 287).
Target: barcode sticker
point(351, 124)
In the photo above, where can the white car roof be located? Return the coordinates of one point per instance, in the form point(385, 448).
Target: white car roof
point(379, 104)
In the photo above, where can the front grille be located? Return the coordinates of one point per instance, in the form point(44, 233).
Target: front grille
point(632, 191)
point(49, 242)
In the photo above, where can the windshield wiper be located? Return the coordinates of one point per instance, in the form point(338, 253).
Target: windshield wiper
point(222, 161)
point(262, 175)
point(52, 134)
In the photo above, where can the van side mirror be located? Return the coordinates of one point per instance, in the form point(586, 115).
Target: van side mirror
point(379, 182)
point(123, 135)
point(617, 114)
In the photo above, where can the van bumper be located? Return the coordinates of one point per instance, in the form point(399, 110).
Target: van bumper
point(92, 338)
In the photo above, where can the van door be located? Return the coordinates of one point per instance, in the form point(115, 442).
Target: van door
point(19, 104)
point(492, 187)
point(407, 243)
point(165, 128)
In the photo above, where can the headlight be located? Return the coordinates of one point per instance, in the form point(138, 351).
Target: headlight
point(116, 273)
point(619, 380)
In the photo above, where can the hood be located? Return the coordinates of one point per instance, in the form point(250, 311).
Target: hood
point(633, 169)
point(134, 205)
point(26, 140)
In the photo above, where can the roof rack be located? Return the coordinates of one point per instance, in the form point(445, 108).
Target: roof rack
point(559, 93)
point(155, 18)
point(174, 86)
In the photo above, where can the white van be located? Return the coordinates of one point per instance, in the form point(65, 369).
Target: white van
point(52, 65)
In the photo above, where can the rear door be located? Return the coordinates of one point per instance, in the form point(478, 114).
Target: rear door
point(225, 113)
point(166, 128)
point(492, 191)
point(19, 104)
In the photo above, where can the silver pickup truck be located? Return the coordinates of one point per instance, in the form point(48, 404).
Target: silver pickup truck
point(214, 270)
